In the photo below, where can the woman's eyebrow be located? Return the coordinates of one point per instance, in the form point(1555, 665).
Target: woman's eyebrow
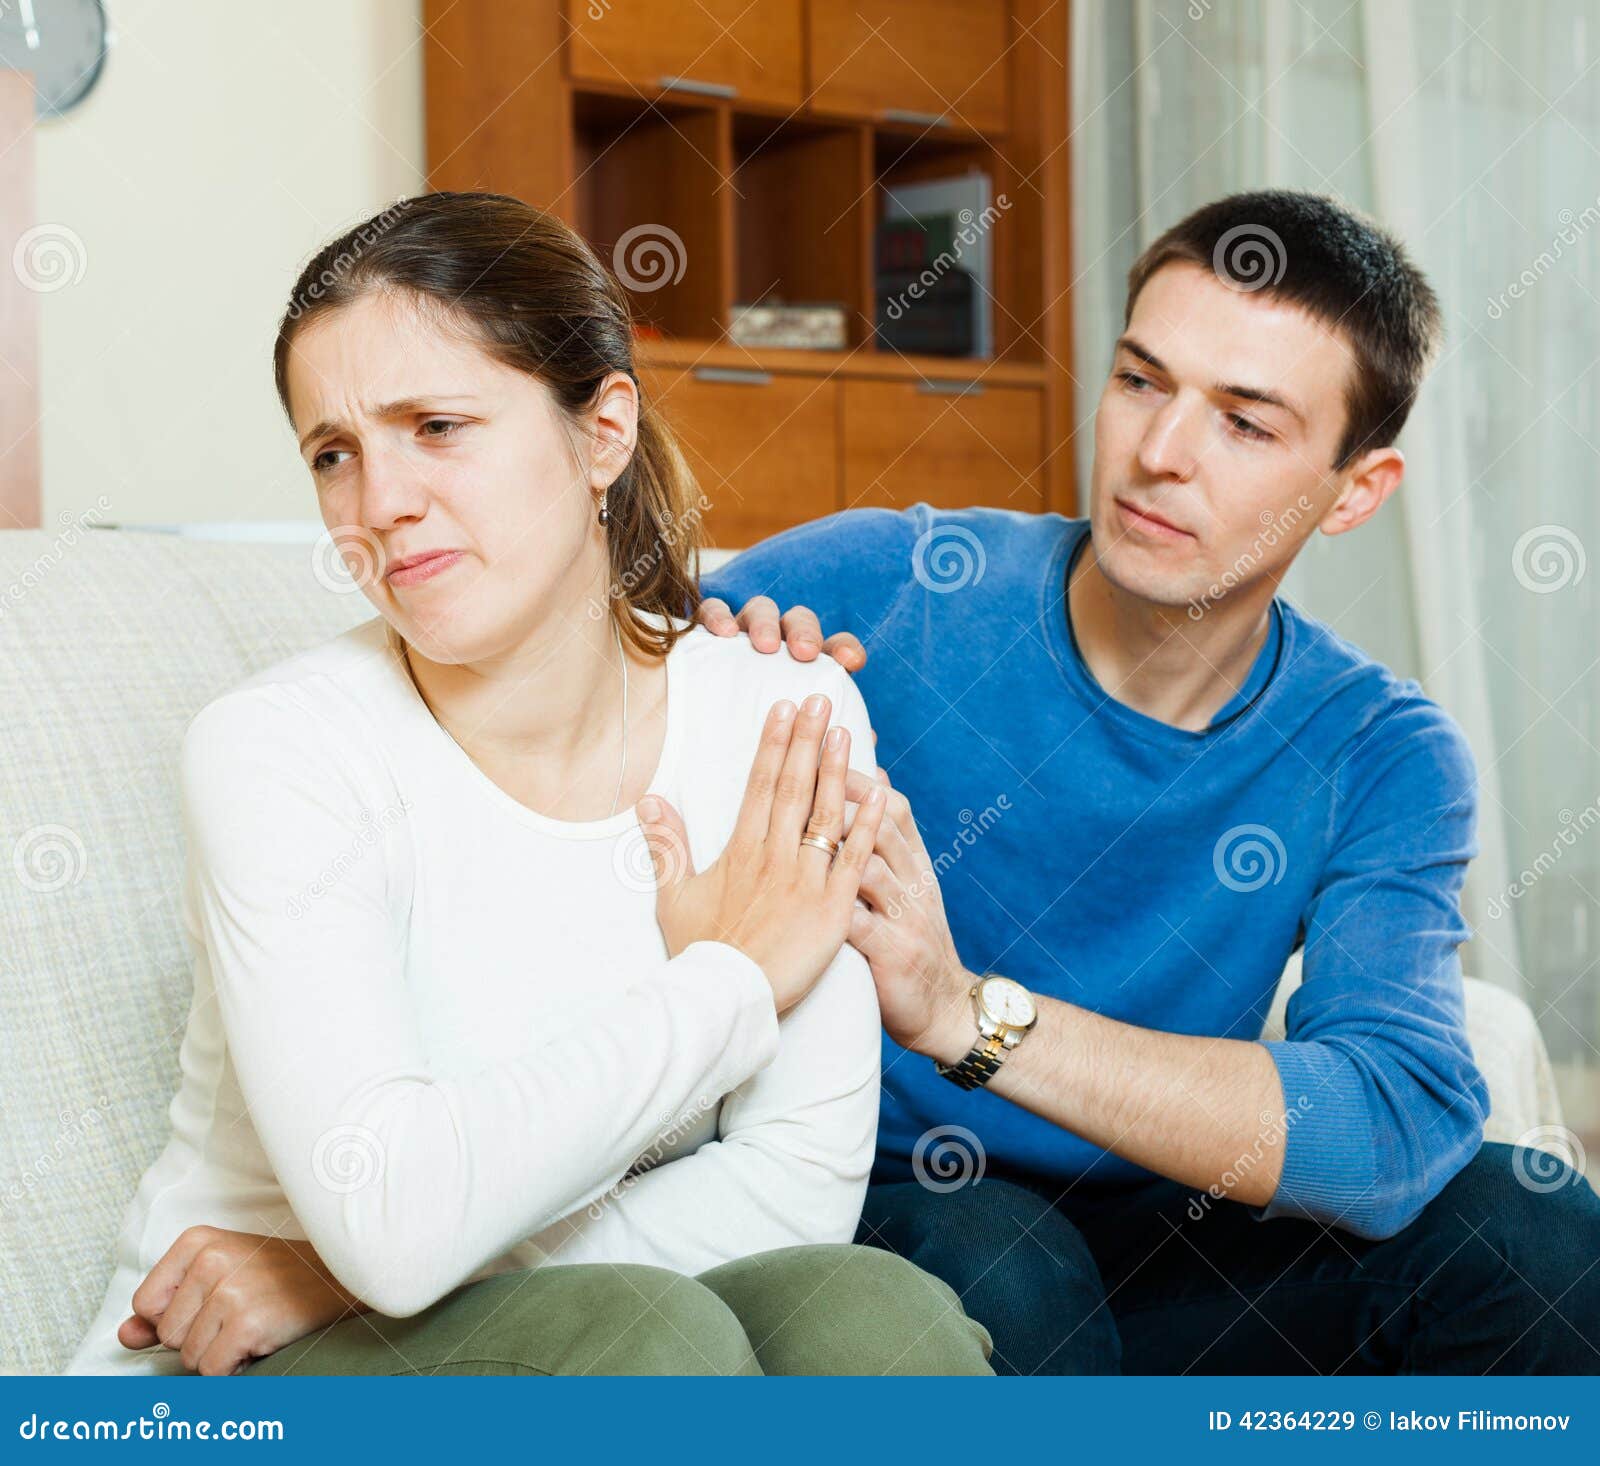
point(400, 407)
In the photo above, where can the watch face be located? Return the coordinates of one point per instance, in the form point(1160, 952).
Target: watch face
point(1007, 1002)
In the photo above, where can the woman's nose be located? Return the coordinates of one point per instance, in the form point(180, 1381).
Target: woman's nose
point(391, 489)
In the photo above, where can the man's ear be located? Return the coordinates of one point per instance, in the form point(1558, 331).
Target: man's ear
point(613, 430)
point(1367, 483)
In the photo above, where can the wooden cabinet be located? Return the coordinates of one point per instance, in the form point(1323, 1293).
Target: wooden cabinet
point(764, 447)
point(915, 60)
point(951, 444)
point(748, 49)
point(718, 153)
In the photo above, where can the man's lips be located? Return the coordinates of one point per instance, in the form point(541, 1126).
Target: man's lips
point(1151, 523)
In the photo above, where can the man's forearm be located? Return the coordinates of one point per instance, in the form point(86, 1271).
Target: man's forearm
point(1203, 1111)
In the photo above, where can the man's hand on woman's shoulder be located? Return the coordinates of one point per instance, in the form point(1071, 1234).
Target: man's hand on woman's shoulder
point(767, 629)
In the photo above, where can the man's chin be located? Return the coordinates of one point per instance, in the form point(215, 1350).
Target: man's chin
point(1165, 576)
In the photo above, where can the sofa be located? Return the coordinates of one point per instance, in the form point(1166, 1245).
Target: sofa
point(110, 641)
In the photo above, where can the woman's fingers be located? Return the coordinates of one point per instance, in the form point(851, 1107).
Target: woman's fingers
point(797, 784)
point(667, 840)
point(827, 809)
point(203, 1332)
point(136, 1333)
point(153, 1296)
point(755, 811)
point(844, 879)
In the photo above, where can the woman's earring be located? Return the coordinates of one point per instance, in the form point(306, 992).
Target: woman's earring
point(605, 514)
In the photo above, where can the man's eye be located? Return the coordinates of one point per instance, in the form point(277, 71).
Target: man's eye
point(1247, 429)
point(317, 463)
point(441, 422)
point(1134, 380)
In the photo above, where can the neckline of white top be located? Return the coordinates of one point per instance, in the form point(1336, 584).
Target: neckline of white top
point(448, 751)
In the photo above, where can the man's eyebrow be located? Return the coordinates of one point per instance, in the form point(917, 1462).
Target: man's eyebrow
point(400, 407)
point(1132, 347)
point(1257, 394)
point(1222, 389)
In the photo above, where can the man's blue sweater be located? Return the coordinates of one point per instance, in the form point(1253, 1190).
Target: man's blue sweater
point(1159, 876)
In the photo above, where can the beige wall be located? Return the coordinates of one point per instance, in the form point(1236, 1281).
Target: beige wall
point(222, 145)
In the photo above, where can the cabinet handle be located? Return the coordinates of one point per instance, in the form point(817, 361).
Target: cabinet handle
point(700, 88)
point(738, 376)
point(918, 119)
point(951, 389)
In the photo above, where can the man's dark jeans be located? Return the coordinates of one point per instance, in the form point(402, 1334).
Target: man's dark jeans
point(1500, 1274)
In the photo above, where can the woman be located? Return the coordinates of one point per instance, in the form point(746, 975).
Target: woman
point(460, 1013)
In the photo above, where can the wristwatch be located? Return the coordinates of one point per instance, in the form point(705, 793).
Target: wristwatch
point(1005, 1011)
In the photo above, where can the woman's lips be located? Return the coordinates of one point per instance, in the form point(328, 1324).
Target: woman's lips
point(1149, 526)
point(424, 569)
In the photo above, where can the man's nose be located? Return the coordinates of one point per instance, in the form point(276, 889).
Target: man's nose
point(1171, 446)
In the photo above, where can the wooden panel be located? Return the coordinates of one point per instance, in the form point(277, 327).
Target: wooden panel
point(944, 58)
point(803, 218)
point(764, 448)
point(1040, 230)
point(652, 198)
point(20, 505)
point(496, 111)
point(750, 46)
point(903, 442)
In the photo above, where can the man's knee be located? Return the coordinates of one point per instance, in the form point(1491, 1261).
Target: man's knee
point(1018, 1264)
point(844, 1309)
point(1519, 1231)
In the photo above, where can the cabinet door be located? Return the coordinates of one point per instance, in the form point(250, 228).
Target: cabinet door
point(728, 48)
point(914, 59)
point(952, 445)
point(765, 448)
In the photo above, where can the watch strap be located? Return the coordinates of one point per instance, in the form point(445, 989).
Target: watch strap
point(979, 1066)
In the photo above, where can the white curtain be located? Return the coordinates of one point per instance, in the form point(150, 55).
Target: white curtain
point(1471, 128)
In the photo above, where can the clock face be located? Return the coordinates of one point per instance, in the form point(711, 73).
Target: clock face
point(1007, 1002)
point(61, 43)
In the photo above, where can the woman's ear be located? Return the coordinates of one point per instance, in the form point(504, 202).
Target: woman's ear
point(614, 429)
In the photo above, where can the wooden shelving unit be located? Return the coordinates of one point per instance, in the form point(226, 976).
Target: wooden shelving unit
point(752, 140)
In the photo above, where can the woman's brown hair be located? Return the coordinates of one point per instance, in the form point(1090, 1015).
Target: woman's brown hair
point(529, 291)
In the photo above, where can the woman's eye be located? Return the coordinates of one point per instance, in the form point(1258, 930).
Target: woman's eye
point(1247, 429)
point(440, 422)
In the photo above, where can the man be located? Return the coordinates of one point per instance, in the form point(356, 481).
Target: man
point(1141, 781)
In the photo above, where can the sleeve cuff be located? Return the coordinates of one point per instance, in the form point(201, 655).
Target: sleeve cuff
point(1328, 1151)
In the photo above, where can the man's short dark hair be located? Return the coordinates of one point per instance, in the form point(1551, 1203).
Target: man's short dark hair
point(1336, 265)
